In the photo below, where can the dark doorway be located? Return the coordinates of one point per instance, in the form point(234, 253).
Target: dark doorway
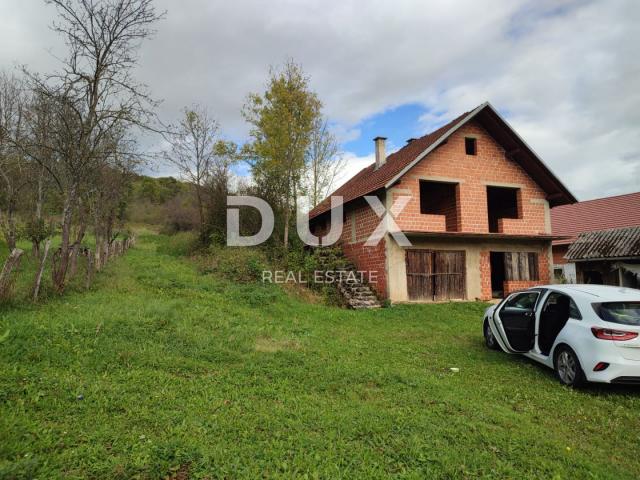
point(497, 274)
point(502, 202)
point(440, 198)
point(593, 276)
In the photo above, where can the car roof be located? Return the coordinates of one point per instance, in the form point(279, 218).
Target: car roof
point(597, 293)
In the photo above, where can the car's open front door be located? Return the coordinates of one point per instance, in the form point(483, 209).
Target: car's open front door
point(515, 322)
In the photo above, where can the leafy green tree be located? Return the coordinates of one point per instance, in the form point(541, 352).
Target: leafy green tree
point(282, 122)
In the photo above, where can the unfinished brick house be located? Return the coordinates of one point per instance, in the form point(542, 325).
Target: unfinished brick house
point(478, 216)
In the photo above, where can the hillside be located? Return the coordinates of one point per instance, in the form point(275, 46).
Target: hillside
point(165, 371)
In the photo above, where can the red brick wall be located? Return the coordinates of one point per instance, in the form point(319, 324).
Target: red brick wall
point(559, 251)
point(511, 286)
point(485, 276)
point(369, 259)
point(489, 165)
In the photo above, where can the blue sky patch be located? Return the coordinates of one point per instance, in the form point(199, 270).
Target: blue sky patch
point(397, 124)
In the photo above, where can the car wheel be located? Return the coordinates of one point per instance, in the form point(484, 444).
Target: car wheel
point(568, 367)
point(489, 339)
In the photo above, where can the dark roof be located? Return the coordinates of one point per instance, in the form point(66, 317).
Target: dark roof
point(598, 214)
point(369, 179)
point(612, 243)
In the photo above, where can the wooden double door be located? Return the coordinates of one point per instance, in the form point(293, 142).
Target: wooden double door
point(436, 275)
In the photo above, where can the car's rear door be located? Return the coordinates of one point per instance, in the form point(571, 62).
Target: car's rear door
point(515, 320)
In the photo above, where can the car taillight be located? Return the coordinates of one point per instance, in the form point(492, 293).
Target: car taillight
point(609, 334)
point(600, 366)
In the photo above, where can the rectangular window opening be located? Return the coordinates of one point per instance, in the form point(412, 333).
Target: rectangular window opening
point(502, 202)
point(440, 198)
point(512, 266)
point(470, 145)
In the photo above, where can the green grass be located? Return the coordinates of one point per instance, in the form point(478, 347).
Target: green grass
point(163, 372)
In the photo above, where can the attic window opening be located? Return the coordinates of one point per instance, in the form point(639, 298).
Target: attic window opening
point(470, 146)
point(502, 202)
point(440, 198)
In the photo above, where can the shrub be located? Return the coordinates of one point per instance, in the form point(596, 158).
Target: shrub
point(308, 261)
point(239, 264)
point(180, 244)
point(181, 215)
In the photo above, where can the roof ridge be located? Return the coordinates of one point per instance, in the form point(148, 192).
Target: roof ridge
point(599, 199)
point(627, 227)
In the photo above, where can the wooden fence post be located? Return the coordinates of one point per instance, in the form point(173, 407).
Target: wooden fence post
point(73, 267)
point(89, 270)
point(104, 254)
point(5, 276)
point(43, 261)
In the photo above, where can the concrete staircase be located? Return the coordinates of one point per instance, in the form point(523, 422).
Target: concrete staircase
point(355, 293)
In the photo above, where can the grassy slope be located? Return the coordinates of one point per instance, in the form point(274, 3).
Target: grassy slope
point(178, 370)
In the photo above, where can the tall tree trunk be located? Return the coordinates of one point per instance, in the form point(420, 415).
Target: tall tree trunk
point(11, 233)
point(5, 276)
point(287, 215)
point(35, 249)
point(43, 262)
point(75, 248)
point(9, 227)
point(40, 194)
point(203, 233)
point(73, 264)
point(60, 267)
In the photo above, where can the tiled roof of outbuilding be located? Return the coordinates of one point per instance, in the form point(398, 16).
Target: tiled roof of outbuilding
point(599, 214)
point(613, 243)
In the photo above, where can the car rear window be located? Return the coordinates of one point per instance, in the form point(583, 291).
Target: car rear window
point(626, 313)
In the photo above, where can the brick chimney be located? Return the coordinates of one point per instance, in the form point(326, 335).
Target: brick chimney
point(381, 155)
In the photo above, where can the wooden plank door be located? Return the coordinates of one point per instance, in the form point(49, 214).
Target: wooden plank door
point(450, 275)
point(420, 283)
point(435, 275)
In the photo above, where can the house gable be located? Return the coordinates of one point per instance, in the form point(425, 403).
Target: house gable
point(469, 178)
point(371, 179)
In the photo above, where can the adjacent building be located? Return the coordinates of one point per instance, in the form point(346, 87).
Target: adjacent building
point(599, 237)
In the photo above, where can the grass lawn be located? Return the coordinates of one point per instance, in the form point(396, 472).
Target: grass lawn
point(162, 372)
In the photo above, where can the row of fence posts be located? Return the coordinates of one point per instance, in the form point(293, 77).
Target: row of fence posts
point(96, 261)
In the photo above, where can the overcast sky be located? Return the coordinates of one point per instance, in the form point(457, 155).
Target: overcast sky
point(566, 74)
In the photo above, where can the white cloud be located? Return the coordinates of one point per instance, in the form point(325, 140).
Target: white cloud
point(353, 164)
point(563, 72)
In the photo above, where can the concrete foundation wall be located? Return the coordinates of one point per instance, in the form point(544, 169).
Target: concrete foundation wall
point(475, 250)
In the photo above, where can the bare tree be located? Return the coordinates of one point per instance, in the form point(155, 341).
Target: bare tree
point(92, 96)
point(109, 194)
point(226, 154)
point(13, 167)
point(39, 129)
point(193, 145)
point(323, 162)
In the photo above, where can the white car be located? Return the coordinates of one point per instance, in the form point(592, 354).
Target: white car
point(584, 332)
